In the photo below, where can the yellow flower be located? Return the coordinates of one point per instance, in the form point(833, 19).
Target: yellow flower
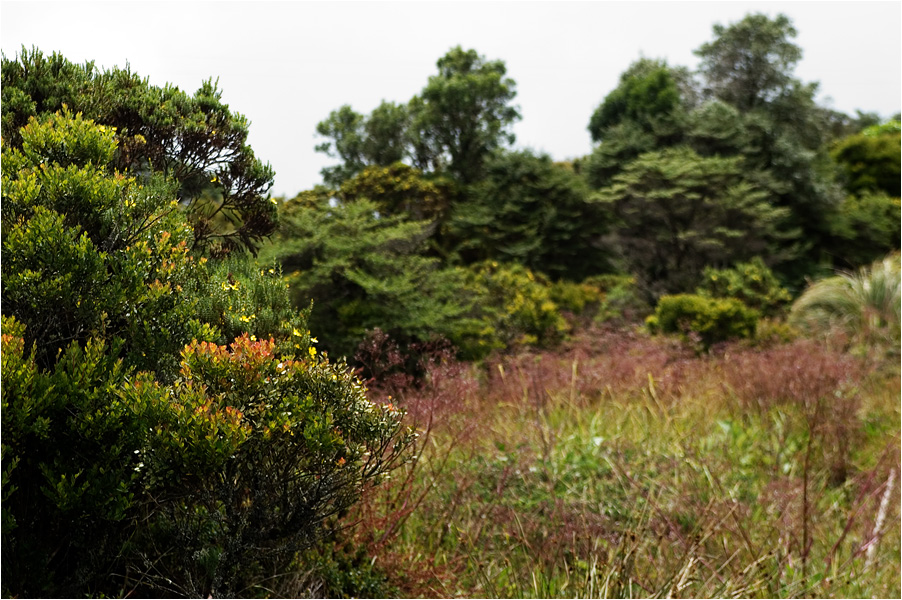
point(296, 332)
point(312, 351)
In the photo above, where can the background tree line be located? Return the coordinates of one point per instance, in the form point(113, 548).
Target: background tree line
point(691, 170)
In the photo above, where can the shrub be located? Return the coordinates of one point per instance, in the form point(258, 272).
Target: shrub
point(129, 467)
point(512, 306)
point(252, 454)
point(575, 297)
point(753, 283)
point(706, 320)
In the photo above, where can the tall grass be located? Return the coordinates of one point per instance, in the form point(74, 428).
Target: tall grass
point(624, 466)
point(864, 306)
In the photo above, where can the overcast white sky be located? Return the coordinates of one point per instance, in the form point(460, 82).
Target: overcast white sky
point(286, 65)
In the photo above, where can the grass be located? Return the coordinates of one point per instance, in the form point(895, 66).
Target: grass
point(628, 467)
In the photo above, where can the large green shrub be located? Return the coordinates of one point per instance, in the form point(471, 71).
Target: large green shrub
point(512, 306)
point(704, 320)
point(752, 282)
point(140, 455)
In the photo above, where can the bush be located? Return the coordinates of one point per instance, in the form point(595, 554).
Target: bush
point(576, 297)
point(753, 283)
point(137, 460)
point(705, 320)
point(511, 306)
point(252, 454)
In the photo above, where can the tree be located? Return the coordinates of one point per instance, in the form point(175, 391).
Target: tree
point(140, 455)
point(648, 95)
point(359, 141)
point(677, 212)
point(749, 64)
point(363, 270)
point(462, 115)
point(528, 210)
point(647, 110)
point(196, 140)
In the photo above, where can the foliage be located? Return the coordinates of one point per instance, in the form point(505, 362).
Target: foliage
point(623, 301)
point(88, 252)
point(462, 115)
point(870, 162)
point(513, 307)
point(705, 320)
point(879, 129)
point(288, 445)
point(677, 212)
point(750, 62)
point(135, 460)
point(196, 140)
point(753, 283)
point(401, 190)
point(865, 229)
point(864, 305)
point(530, 211)
point(359, 141)
point(240, 296)
point(576, 298)
point(69, 478)
point(648, 95)
point(749, 65)
point(362, 271)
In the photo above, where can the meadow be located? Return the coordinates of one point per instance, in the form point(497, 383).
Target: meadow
point(623, 465)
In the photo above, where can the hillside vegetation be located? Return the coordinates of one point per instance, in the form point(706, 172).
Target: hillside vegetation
point(456, 367)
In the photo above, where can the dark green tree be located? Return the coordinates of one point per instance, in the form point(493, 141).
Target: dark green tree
point(528, 210)
point(359, 141)
point(462, 115)
point(646, 111)
point(195, 140)
point(648, 95)
point(363, 270)
point(749, 66)
point(677, 212)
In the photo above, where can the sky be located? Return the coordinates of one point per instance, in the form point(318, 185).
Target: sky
point(287, 65)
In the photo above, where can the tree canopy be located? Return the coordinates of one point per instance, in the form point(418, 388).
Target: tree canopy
point(193, 139)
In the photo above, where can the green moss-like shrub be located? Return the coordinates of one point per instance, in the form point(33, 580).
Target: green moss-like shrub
point(704, 320)
point(752, 282)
